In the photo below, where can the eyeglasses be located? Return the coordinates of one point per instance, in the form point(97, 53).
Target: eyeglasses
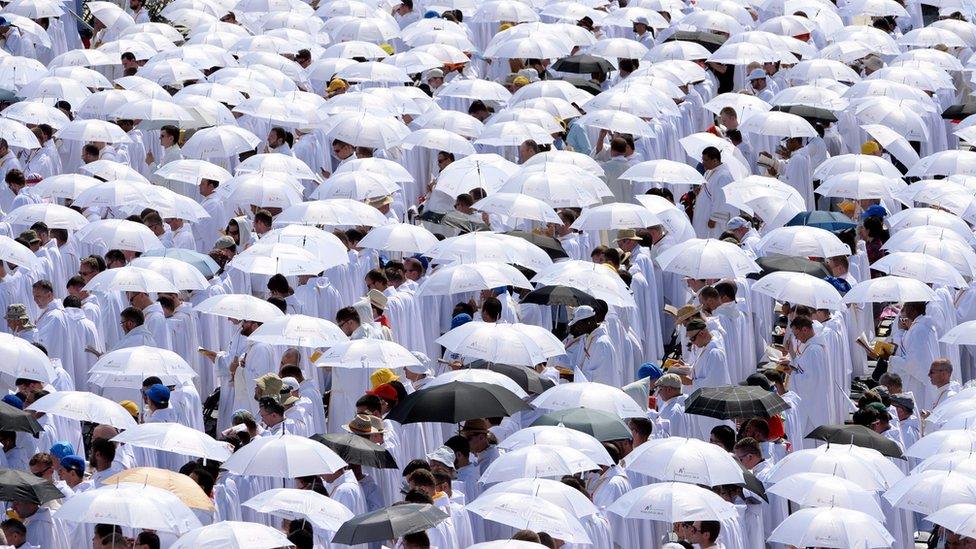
point(692, 337)
point(40, 474)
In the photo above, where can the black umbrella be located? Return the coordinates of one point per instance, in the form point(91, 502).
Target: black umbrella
point(17, 485)
point(582, 64)
point(710, 40)
point(553, 248)
point(753, 484)
point(389, 523)
point(601, 425)
point(559, 295)
point(584, 84)
point(528, 379)
point(735, 401)
point(830, 221)
point(455, 402)
point(776, 263)
point(958, 112)
point(357, 450)
point(15, 419)
point(858, 435)
point(810, 114)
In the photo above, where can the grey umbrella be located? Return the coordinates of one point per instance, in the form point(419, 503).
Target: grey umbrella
point(389, 523)
point(601, 425)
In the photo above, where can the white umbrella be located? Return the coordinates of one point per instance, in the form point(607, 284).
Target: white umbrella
point(521, 113)
point(489, 247)
point(21, 70)
point(454, 121)
point(219, 142)
point(672, 502)
point(239, 307)
point(557, 435)
point(889, 289)
point(865, 467)
point(673, 219)
point(367, 353)
point(399, 237)
point(17, 134)
point(84, 406)
point(128, 367)
point(129, 505)
point(523, 511)
point(596, 396)
point(502, 343)
point(831, 527)
point(688, 460)
point(897, 115)
point(289, 503)
point(130, 279)
point(825, 490)
point(356, 186)
point(945, 163)
point(707, 258)
point(16, 253)
point(616, 121)
point(381, 166)
point(802, 241)
point(64, 185)
point(20, 359)
point(454, 279)
point(893, 142)
point(366, 130)
point(262, 190)
point(958, 254)
point(335, 212)
point(474, 88)
point(299, 331)
point(801, 289)
point(963, 333)
point(563, 158)
point(929, 491)
point(559, 186)
point(777, 124)
point(325, 246)
point(512, 134)
point(117, 193)
point(537, 461)
point(181, 274)
point(110, 170)
point(487, 171)
point(596, 280)
point(855, 163)
point(283, 456)
point(55, 87)
point(92, 130)
point(553, 491)
point(233, 535)
point(30, 112)
point(54, 216)
point(861, 185)
point(616, 215)
point(173, 437)
point(471, 375)
point(119, 234)
point(663, 171)
point(940, 442)
point(277, 258)
point(517, 206)
point(926, 268)
point(959, 518)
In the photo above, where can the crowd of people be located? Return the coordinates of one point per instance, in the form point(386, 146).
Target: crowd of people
point(610, 274)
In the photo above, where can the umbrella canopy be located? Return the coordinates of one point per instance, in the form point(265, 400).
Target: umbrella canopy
point(603, 426)
point(802, 242)
point(526, 511)
point(201, 262)
point(130, 279)
point(399, 237)
point(707, 258)
point(831, 527)
point(367, 353)
point(559, 295)
point(591, 278)
point(15, 419)
point(479, 375)
point(554, 435)
point(288, 503)
point(284, 456)
point(672, 502)
point(299, 331)
point(179, 485)
point(592, 395)
point(929, 491)
point(824, 490)
point(582, 64)
point(688, 460)
point(549, 490)
point(522, 344)
point(129, 366)
point(239, 307)
point(889, 289)
point(454, 279)
point(800, 288)
point(732, 402)
point(233, 535)
point(21, 359)
point(526, 378)
point(455, 402)
point(959, 518)
point(84, 406)
point(389, 523)
point(173, 437)
point(356, 450)
point(17, 485)
point(865, 467)
point(830, 221)
point(537, 461)
point(947, 440)
point(129, 505)
point(928, 269)
point(120, 234)
point(777, 263)
point(858, 435)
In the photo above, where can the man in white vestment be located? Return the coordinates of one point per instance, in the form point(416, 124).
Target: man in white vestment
point(918, 347)
point(712, 212)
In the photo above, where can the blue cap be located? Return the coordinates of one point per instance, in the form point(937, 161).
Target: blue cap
point(876, 210)
point(431, 14)
point(74, 463)
point(842, 286)
point(422, 259)
point(62, 449)
point(460, 319)
point(14, 401)
point(158, 394)
point(649, 369)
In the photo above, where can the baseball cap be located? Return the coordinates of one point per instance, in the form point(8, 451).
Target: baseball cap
point(434, 73)
point(74, 463)
point(130, 407)
point(385, 391)
point(649, 369)
point(757, 74)
point(876, 210)
point(582, 313)
point(669, 380)
point(158, 394)
point(904, 400)
point(460, 319)
point(737, 222)
point(61, 449)
point(14, 401)
point(382, 376)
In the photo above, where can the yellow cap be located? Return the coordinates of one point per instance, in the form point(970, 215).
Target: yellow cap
point(870, 147)
point(505, 26)
point(130, 407)
point(336, 85)
point(381, 376)
point(520, 80)
point(847, 207)
point(387, 48)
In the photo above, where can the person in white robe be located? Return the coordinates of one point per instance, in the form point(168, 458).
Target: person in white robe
point(52, 325)
point(712, 211)
point(348, 384)
point(918, 347)
point(719, 301)
point(810, 377)
point(590, 349)
point(84, 334)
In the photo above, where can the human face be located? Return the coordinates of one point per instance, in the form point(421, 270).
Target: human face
point(166, 140)
point(442, 160)
point(348, 326)
point(341, 150)
point(938, 375)
point(477, 441)
point(42, 470)
point(42, 297)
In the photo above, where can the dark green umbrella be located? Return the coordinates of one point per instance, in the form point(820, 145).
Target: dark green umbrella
point(15, 419)
point(810, 114)
point(389, 523)
point(559, 295)
point(583, 64)
point(857, 435)
point(584, 84)
point(528, 379)
point(356, 450)
point(709, 40)
point(552, 247)
point(777, 263)
point(17, 485)
point(830, 221)
point(601, 425)
point(753, 484)
point(735, 401)
point(455, 402)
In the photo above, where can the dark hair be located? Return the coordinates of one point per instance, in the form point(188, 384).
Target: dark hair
point(459, 444)
point(148, 538)
point(725, 435)
point(271, 405)
point(105, 447)
point(377, 275)
point(641, 425)
point(114, 255)
point(71, 302)
point(422, 477)
point(370, 402)
point(134, 315)
point(90, 150)
point(171, 131)
point(43, 285)
point(420, 539)
point(15, 177)
point(347, 313)
point(415, 465)
point(801, 322)
point(477, 106)
point(416, 496)
point(875, 228)
point(727, 289)
point(712, 528)
point(15, 525)
point(279, 303)
point(204, 479)
point(492, 307)
point(712, 153)
point(128, 56)
point(264, 216)
point(749, 445)
point(279, 284)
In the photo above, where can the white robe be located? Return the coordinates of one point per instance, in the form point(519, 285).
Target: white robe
point(711, 205)
point(917, 349)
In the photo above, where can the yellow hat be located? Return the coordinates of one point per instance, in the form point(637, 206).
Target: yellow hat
point(847, 207)
point(505, 26)
point(381, 376)
point(870, 147)
point(387, 48)
point(336, 84)
point(130, 407)
point(520, 80)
